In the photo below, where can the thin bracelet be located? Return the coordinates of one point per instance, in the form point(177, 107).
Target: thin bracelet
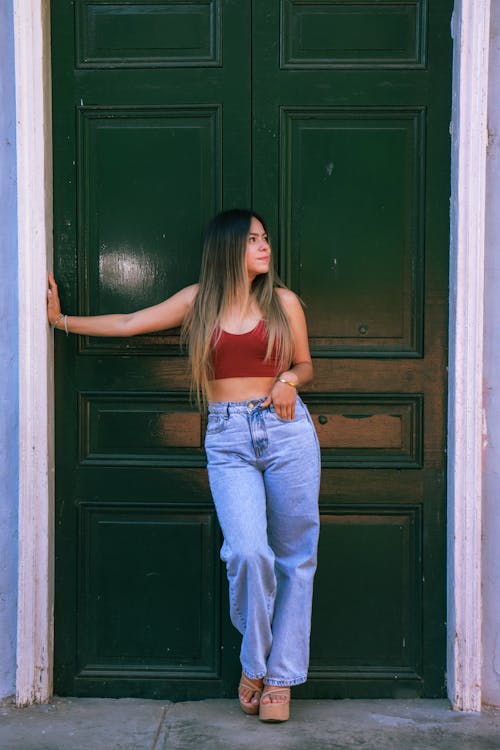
point(288, 382)
point(56, 321)
point(66, 324)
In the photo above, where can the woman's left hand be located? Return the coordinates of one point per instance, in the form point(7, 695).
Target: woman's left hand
point(283, 398)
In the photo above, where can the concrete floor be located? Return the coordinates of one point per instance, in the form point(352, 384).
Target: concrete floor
point(130, 724)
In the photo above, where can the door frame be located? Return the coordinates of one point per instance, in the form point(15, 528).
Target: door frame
point(35, 643)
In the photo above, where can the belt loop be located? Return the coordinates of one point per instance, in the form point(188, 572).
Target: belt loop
point(227, 409)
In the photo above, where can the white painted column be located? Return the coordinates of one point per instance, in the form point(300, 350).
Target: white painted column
point(34, 176)
point(491, 457)
point(469, 141)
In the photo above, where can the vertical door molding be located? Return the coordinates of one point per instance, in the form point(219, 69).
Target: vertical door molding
point(470, 28)
point(34, 208)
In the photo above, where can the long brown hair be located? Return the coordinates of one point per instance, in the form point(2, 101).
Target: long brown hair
point(224, 281)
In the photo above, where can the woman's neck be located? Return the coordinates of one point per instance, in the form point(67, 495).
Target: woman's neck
point(241, 315)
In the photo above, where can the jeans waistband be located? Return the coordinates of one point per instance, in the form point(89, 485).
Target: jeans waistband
point(235, 407)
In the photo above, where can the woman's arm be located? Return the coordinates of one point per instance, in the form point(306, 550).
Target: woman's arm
point(168, 314)
point(284, 394)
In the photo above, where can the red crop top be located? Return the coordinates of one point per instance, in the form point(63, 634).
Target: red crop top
point(242, 355)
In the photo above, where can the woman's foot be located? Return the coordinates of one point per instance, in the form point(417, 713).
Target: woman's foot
point(249, 692)
point(275, 703)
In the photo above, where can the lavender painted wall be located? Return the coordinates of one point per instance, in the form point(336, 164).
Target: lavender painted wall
point(491, 492)
point(8, 357)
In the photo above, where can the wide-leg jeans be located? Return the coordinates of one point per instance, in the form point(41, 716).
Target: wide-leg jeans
point(264, 475)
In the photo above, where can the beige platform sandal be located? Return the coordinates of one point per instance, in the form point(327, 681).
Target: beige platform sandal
point(274, 711)
point(256, 686)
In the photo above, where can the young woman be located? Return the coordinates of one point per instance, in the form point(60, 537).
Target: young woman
point(249, 355)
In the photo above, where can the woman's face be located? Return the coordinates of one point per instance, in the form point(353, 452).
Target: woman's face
point(258, 252)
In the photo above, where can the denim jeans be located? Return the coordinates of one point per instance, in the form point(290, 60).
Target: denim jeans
point(264, 476)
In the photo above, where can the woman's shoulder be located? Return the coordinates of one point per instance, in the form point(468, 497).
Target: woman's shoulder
point(180, 303)
point(287, 298)
point(188, 293)
point(292, 307)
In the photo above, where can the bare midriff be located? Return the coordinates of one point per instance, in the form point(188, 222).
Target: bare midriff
point(239, 389)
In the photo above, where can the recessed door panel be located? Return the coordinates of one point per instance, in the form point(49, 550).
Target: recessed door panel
point(340, 33)
point(362, 279)
point(149, 181)
point(137, 611)
point(145, 34)
point(373, 598)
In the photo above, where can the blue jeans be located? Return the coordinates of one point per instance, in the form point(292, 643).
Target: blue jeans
point(264, 476)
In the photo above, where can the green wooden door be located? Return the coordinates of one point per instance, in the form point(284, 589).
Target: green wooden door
point(332, 119)
point(351, 107)
point(152, 134)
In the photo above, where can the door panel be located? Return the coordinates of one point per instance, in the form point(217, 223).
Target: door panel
point(354, 136)
point(148, 35)
point(328, 34)
point(363, 162)
point(150, 178)
point(121, 639)
point(375, 631)
point(331, 119)
point(152, 136)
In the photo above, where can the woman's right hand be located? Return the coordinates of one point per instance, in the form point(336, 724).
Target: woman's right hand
point(53, 303)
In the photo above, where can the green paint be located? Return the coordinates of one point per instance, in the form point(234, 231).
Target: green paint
point(331, 119)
